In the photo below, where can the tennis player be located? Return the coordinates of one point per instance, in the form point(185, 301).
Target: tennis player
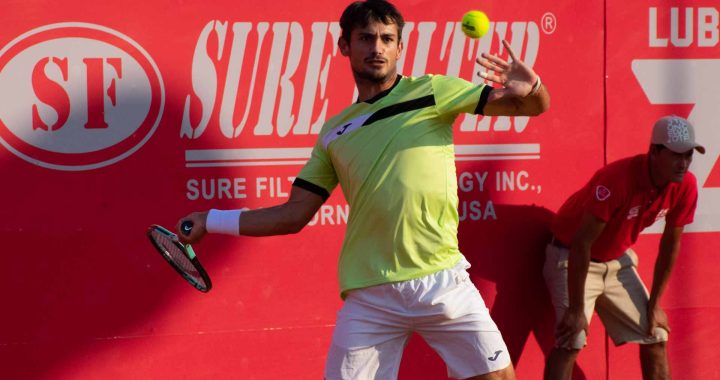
point(400, 268)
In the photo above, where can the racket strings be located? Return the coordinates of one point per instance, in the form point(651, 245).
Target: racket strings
point(177, 256)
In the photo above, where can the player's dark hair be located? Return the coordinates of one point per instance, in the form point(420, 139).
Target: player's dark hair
point(361, 13)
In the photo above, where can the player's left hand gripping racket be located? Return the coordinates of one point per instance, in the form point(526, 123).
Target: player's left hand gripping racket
point(180, 256)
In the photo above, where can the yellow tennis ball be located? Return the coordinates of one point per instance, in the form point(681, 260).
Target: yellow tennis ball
point(475, 24)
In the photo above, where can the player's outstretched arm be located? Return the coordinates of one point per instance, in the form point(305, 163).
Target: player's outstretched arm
point(522, 92)
point(287, 218)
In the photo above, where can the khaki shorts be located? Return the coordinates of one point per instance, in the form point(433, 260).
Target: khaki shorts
point(613, 289)
point(444, 308)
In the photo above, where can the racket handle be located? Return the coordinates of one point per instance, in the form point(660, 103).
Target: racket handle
point(186, 227)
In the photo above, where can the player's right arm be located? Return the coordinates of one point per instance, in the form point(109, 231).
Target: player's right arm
point(312, 186)
point(287, 218)
point(574, 319)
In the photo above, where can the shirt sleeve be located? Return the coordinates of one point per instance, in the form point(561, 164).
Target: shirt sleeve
point(454, 96)
point(606, 196)
point(683, 212)
point(318, 175)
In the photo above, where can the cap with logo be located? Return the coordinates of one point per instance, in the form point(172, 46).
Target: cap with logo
point(676, 134)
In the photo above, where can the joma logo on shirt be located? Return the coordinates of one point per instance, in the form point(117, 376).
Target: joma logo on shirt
point(342, 129)
point(345, 128)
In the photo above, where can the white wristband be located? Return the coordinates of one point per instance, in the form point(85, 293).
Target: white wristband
point(536, 86)
point(223, 222)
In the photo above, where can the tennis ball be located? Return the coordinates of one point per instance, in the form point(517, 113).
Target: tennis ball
point(475, 24)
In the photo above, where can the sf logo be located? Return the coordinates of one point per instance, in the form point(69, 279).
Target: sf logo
point(76, 96)
point(50, 85)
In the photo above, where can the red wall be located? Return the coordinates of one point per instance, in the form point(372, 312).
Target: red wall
point(112, 116)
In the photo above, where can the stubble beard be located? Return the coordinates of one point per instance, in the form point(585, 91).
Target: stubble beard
point(375, 77)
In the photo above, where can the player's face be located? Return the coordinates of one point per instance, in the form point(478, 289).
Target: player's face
point(373, 51)
point(672, 166)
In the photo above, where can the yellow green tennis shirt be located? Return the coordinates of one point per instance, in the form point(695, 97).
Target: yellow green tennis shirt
point(394, 159)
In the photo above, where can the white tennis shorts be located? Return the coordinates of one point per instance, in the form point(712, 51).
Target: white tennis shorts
point(445, 308)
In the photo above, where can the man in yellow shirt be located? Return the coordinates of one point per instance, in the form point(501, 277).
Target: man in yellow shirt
point(400, 268)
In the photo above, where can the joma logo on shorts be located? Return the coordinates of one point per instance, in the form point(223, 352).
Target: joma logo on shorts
point(493, 358)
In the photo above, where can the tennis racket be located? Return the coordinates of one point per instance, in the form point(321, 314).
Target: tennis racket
point(180, 256)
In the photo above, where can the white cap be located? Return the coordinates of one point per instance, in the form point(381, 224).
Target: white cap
point(676, 134)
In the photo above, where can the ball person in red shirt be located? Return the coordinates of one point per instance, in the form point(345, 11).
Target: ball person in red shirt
point(590, 265)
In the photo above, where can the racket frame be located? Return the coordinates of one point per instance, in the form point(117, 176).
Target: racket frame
point(187, 250)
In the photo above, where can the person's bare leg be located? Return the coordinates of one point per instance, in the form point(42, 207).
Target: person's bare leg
point(654, 362)
point(559, 364)
point(507, 373)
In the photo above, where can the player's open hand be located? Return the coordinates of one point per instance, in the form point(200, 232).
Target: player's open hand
point(515, 76)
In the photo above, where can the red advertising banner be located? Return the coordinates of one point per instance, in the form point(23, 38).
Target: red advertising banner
point(119, 115)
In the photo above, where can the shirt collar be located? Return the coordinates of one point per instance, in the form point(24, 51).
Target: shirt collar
point(644, 180)
point(642, 173)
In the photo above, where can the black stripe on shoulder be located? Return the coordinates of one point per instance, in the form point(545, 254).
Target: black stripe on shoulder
point(396, 109)
point(311, 187)
point(483, 100)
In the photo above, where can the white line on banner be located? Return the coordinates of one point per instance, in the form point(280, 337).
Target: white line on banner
point(497, 158)
point(298, 156)
point(246, 154)
point(490, 149)
point(243, 163)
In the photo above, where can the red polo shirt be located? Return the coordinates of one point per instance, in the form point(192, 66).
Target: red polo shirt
point(622, 195)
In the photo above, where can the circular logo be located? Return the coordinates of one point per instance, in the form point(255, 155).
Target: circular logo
point(77, 96)
point(548, 23)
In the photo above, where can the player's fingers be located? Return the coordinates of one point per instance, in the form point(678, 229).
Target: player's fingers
point(491, 77)
point(568, 339)
point(192, 238)
point(490, 67)
point(179, 224)
point(510, 51)
point(178, 227)
point(565, 331)
point(651, 327)
point(662, 325)
point(561, 341)
point(562, 332)
point(499, 62)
